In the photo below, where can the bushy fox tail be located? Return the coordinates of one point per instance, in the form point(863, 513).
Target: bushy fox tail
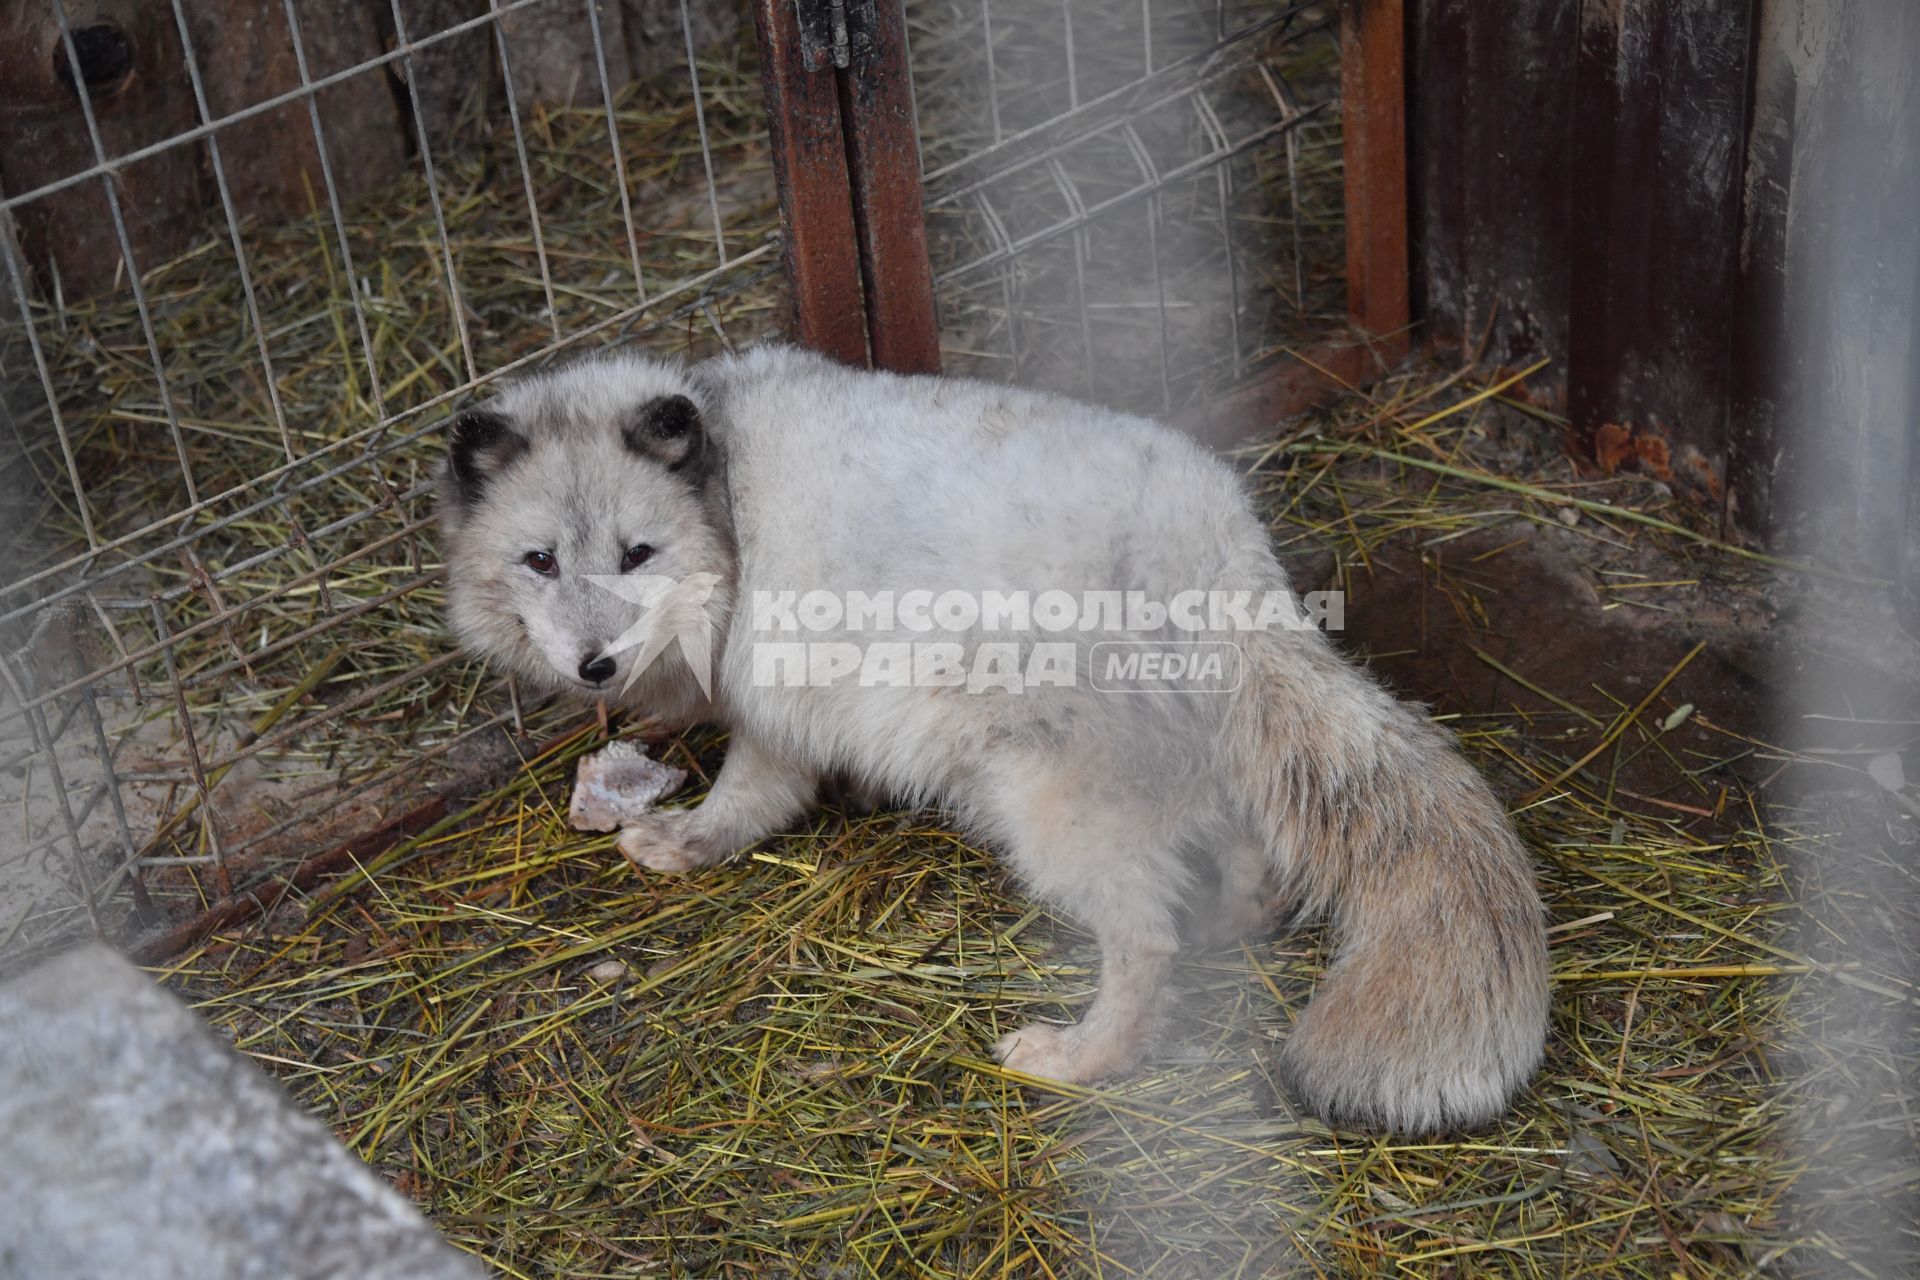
point(1432, 1013)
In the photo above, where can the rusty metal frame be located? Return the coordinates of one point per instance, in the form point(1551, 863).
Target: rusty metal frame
point(847, 165)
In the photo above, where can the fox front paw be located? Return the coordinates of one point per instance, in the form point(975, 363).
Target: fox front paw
point(1040, 1049)
point(662, 844)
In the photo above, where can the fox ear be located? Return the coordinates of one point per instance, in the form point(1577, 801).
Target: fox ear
point(480, 445)
point(669, 431)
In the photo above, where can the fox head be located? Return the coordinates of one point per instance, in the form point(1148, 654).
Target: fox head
point(602, 470)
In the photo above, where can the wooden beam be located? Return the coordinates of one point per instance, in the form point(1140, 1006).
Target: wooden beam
point(1373, 103)
point(883, 154)
point(1659, 123)
point(817, 231)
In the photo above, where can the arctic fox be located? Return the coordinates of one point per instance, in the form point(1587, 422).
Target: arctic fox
point(777, 476)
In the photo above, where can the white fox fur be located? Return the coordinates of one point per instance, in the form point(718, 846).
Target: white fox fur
point(1306, 785)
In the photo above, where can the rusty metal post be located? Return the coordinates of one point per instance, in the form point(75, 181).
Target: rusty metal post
point(817, 232)
point(847, 163)
point(883, 153)
point(1373, 105)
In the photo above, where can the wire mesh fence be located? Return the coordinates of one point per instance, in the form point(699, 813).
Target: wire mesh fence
point(1130, 201)
point(233, 316)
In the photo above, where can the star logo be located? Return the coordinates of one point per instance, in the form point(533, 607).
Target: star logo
point(672, 609)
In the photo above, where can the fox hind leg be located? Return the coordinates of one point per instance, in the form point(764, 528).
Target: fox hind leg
point(1249, 898)
point(1096, 858)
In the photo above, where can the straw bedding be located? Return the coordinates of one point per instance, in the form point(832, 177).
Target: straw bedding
point(777, 1067)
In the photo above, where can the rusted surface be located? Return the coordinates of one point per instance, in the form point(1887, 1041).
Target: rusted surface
point(1603, 182)
point(1373, 123)
point(1617, 447)
point(883, 153)
point(818, 237)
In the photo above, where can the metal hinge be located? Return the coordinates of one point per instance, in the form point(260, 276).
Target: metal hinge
point(834, 32)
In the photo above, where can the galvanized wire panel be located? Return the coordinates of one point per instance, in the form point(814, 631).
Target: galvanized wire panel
point(1130, 200)
point(220, 618)
point(220, 624)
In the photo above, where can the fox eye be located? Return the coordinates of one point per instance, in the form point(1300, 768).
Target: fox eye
point(542, 563)
point(635, 556)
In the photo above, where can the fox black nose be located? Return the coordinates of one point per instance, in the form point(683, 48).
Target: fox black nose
point(595, 669)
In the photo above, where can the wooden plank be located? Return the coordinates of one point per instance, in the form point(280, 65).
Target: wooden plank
point(1437, 87)
point(883, 155)
point(1491, 106)
point(1373, 126)
point(1660, 117)
point(1519, 182)
point(818, 238)
point(1704, 210)
point(1757, 359)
